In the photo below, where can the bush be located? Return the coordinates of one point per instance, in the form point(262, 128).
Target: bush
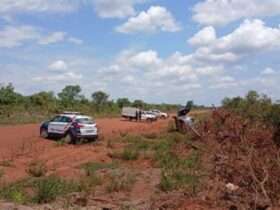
point(130, 153)
point(255, 107)
point(37, 169)
point(14, 193)
point(48, 188)
point(120, 182)
point(6, 163)
point(88, 183)
point(91, 167)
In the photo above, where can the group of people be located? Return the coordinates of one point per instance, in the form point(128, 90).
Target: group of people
point(138, 115)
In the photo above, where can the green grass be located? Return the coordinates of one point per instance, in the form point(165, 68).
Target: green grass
point(176, 172)
point(130, 153)
point(92, 167)
point(39, 190)
point(49, 188)
point(120, 181)
point(15, 192)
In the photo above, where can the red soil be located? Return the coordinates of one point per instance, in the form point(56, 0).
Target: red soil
point(21, 144)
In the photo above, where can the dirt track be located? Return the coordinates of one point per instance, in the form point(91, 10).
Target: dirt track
point(21, 144)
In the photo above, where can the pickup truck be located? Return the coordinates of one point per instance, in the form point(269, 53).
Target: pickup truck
point(132, 113)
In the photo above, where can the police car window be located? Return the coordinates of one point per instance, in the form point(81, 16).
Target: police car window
point(56, 119)
point(65, 119)
point(84, 120)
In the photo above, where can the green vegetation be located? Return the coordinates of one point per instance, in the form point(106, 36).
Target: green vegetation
point(40, 190)
point(37, 169)
point(178, 171)
point(92, 167)
point(6, 163)
point(16, 108)
point(120, 181)
point(255, 107)
point(47, 189)
point(130, 153)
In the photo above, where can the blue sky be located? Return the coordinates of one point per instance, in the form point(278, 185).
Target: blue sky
point(155, 50)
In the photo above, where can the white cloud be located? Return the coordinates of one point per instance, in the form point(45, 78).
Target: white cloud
point(11, 36)
point(15, 6)
point(268, 71)
point(75, 40)
point(156, 18)
point(204, 37)
point(114, 8)
point(145, 59)
point(210, 70)
point(53, 38)
point(251, 37)
point(64, 77)
point(14, 36)
point(58, 65)
point(222, 12)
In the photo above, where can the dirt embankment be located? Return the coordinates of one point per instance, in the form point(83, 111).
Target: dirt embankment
point(21, 144)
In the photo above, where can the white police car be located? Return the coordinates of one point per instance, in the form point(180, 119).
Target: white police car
point(72, 126)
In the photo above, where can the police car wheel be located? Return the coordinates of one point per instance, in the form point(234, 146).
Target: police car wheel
point(44, 133)
point(68, 139)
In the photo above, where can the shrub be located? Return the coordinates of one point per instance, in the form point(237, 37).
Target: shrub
point(130, 153)
point(37, 169)
point(88, 183)
point(120, 182)
point(91, 167)
point(14, 193)
point(6, 163)
point(48, 188)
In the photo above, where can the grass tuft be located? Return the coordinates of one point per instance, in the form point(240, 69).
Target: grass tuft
point(48, 188)
point(91, 167)
point(120, 181)
point(37, 169)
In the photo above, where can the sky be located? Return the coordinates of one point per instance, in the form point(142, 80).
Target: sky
point(160, 51)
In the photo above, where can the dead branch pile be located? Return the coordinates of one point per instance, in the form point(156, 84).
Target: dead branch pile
point(242, 161)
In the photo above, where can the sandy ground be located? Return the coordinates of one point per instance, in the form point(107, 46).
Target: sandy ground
point(21, 144)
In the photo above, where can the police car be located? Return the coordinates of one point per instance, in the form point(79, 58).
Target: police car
point(71, 126)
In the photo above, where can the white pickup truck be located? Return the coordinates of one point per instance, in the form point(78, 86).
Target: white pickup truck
point(160, 114)
point(132, 113)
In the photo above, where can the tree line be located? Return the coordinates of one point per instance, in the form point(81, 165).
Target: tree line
point(15, 106)
point(255, 106)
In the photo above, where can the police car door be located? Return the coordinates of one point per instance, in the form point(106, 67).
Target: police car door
point(58, 125)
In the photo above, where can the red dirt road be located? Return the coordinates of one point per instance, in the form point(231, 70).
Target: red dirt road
point(21, 144)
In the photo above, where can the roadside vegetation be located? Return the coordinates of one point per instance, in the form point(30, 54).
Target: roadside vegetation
point(178, 171)
point(233, 163)
point(17, 108)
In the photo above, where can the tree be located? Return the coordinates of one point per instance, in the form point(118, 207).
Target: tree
point(139, 103)
point(43, 98)
point(122, 102)
point(46, 100)
point(70, 94)
point(252, 96)
point(8, 95)
point(100, 99)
